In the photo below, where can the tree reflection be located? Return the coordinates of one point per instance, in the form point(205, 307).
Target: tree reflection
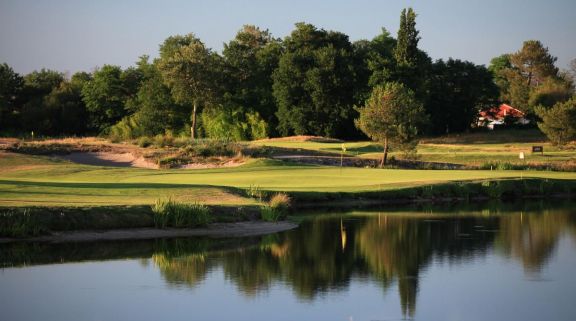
point(324, 254)
point(531, 238)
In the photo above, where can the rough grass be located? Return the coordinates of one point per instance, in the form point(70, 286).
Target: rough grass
point(50, 183)
point(473, 149)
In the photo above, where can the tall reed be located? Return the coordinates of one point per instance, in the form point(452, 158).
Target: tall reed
point(169, 213)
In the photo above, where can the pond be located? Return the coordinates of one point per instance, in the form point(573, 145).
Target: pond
point(492, 262)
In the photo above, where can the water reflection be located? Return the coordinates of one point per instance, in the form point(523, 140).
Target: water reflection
point(324, 254)
point(327, 252)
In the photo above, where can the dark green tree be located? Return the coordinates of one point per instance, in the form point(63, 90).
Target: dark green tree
point(412, 65)
point(34, 116)
point(314, 83)
point(251, 58)
point(558, 122)
point(498, 67)
point(105, 97)
point(11, 85)
point(406, 51)
point(458, 91)
point(374, 64)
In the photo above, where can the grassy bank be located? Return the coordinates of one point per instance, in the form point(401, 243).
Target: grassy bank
point(33, 221)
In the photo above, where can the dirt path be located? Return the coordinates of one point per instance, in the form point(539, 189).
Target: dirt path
point(216, 230)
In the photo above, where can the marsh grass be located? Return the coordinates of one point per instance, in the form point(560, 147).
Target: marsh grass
point(169, 213)
point(277, 207)
point(14, 223)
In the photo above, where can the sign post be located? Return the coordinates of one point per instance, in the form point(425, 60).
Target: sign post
point(538, 149)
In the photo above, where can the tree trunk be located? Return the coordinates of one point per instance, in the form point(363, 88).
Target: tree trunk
point(193, 128)
point(385, 154)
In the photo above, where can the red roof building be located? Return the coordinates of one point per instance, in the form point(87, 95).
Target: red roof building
point(496, 116)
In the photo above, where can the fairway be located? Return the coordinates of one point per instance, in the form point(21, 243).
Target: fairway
point(33, 180)
point(475, 154)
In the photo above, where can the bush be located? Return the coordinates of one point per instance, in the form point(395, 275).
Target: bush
point(211, 147)
point(144, 141)
point(126, 129)
point(163, 140)
point(169, 213)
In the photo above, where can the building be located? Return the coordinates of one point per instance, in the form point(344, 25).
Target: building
point(501, 115)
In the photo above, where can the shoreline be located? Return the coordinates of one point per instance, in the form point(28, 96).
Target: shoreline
point(214, 230)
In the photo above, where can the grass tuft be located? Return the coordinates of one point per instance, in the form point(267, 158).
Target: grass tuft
point(169, 213)
point(277, 207)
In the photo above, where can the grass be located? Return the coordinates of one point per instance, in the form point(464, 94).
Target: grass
point(474, 149)
point(277, 208)
point(34, 180)
point(169, 213)
point(16, 223)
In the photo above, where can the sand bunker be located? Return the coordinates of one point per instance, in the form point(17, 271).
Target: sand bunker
point(109, 159)
point(129, 160)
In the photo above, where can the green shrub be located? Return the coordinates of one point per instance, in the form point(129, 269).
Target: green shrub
point(163, 140)
point(169, 213)
point(144, 141)
point(126, 129)
point(258, 126)
point(211, 147)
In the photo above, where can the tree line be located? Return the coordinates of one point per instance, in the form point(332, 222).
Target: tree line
point(312, 82)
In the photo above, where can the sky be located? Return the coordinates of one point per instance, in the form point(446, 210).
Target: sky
point(80, 35)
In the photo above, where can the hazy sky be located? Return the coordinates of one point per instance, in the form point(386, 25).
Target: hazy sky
point(73, 35)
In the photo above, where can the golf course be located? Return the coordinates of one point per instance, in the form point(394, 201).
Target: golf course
point(33, 180)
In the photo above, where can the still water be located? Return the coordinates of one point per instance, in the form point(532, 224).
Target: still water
point(499, 263)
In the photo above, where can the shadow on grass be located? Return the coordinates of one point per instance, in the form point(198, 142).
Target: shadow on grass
point(161, 188)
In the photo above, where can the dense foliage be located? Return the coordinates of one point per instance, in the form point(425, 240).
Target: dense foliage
point(259, 86)
point(559, 122)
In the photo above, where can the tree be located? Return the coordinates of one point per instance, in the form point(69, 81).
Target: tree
point(412, 65)
point(190, 70)
point(392, 116)
point(551, 92)
point(157, 111)
point(528, 77)
point(105, 97)
point(314, 83)
point(374, 64)
point(33, 112)
point(534, 62)
point(458, 90)
point(498, 66)
point(559, 122)
point(251, 58)
point(10, 87)
point(406, 51)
